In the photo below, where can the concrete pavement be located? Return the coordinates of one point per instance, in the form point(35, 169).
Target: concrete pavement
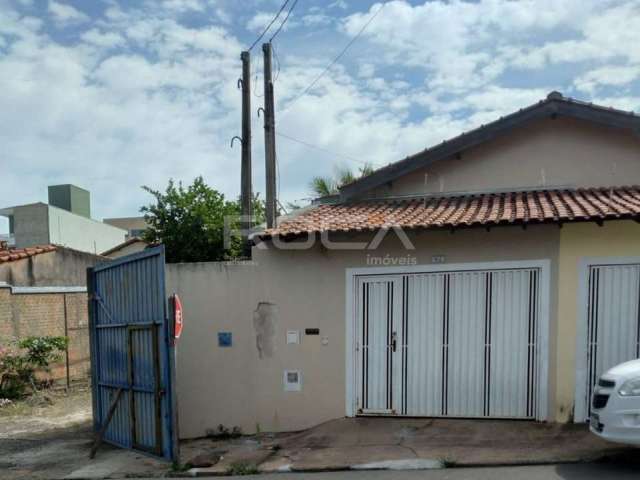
point(590, 471)
point(402, 443)
point(345, 444)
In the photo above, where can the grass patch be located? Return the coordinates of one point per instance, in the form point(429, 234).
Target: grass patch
point(242, 468)
point(177, 467)
point(448, 462)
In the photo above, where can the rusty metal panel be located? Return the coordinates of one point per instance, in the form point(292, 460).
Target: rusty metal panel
point(131, 350)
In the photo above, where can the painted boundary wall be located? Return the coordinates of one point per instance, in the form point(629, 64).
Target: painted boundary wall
point(292, 290)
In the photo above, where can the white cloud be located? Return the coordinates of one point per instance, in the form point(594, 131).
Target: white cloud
point(139, 94)
point(260, 20)
point(610, 75)
point(366, 70)
point(102, 39)
point(316, 20)
point(628, 103)
point(125, 121)
point(463, 45)
point(339, 4)
point(183, 5)
point(64, 13)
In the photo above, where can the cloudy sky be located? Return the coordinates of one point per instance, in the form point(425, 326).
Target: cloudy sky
point(115, 94)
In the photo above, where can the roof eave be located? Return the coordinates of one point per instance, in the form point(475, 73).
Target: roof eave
point(288, 237)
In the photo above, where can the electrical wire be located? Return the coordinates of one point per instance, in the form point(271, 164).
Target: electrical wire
point(269, 25)
point(255, 87)
point(275, 56)
point(255, 79)
point(321, 149)
point(295, 2)
point(335, 60)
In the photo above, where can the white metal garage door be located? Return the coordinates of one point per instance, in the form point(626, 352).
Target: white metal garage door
point(457, 344)
point(612, 321)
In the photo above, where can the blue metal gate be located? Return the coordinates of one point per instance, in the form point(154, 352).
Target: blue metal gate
point(132, 354)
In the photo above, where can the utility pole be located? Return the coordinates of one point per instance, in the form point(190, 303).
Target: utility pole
point(269, 140)
point(246, 194)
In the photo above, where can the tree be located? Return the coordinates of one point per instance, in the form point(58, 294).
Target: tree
point(190, 222)
point(325, 186)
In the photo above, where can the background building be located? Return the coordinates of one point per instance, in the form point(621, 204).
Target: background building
point(135, 226)
point(64, 221)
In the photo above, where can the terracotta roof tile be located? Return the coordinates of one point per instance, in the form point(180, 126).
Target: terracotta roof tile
point(12, 254)
point(536, 206)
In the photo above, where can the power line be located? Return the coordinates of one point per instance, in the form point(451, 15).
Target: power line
point(275, 56)
point(269, 26)
point(295, 2)
point(338, 57)
point(321, 149)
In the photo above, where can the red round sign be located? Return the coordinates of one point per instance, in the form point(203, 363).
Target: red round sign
point(177, 315)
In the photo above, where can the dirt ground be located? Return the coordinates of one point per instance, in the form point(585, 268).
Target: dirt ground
point(47, 410)
point(49, 436)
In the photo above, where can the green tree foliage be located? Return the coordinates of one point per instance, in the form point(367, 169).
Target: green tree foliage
point(190, 222)
point(325, 186)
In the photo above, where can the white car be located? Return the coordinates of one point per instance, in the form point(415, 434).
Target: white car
point(615, 406)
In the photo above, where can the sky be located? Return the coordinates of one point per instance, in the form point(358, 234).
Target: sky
point(111, 95)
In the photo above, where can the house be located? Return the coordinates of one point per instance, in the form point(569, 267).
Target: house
point(43, 293)
point(129, 246)
point(495, 275)
point(45, 266)
point(64, 221)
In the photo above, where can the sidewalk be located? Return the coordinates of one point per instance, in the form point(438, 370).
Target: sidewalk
point(393, 443)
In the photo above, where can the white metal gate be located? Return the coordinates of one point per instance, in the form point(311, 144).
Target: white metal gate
point(612, 324)
point(450, 343)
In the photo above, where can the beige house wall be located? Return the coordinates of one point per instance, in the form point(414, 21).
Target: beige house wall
point(551, 153)
point(243, 384)
point(578, 242)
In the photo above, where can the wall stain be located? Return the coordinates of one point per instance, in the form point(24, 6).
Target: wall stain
point(265, 317)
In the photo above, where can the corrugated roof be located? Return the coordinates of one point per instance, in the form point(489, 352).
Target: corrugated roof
point(12, 254)
point(484, 209)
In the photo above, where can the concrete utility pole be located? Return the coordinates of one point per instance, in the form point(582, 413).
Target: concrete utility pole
point(269, 140)
point(246, 194)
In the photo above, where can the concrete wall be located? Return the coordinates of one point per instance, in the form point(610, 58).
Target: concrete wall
point(243, 384)
point(127, 223)
point(29, 312)
point(577, 242)
point(31, 225)
point(561, 152)
point(58, 268)
point(80, 233)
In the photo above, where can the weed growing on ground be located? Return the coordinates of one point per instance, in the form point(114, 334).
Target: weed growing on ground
point(177, 467)
point(447, 462)
point(223, 433)
point(242, 468)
